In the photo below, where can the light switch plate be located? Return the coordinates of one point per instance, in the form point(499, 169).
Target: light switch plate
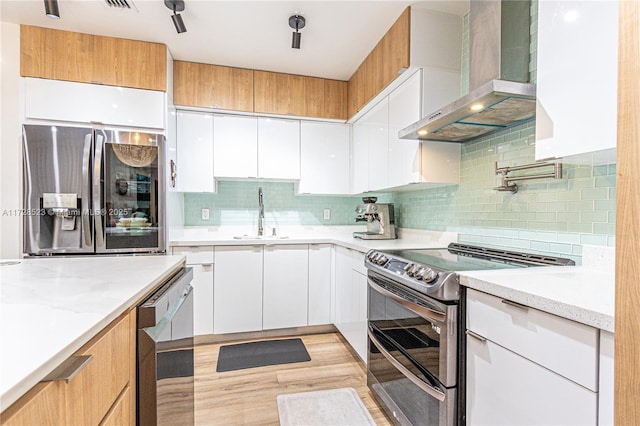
point(327, 214)
point(205, 214)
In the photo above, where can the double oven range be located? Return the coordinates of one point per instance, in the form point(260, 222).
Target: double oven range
point(416, 352)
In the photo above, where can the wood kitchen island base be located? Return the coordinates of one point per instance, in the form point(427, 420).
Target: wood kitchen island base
point(248, 396)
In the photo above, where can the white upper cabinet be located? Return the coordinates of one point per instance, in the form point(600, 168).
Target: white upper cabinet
point(86, 103)
point(235, 146)
point(576, 107)
point(278, 148)
point(404, 155)
point(194, 156)
point(381, 160)
point(370, 160)
point(324, 158)
point(360, 158)
point(376, 122)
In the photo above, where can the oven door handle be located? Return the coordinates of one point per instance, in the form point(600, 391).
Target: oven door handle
point(436, 393)
point(418, 309)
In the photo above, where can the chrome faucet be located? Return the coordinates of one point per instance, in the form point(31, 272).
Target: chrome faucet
point(260, 212)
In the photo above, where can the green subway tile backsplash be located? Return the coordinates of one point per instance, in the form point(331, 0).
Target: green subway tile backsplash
point(236, 203)
point(548, 215)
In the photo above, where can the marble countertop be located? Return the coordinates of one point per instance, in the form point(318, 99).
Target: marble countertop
point(585, 294)
point(50, 307)
point(340, 235)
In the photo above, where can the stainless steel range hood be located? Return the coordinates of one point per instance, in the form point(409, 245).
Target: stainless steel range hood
point(500, 94)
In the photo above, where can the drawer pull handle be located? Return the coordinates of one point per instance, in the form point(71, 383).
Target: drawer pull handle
point(207, 265)
point(68, 369)
point(475, 336)
point(515, 305)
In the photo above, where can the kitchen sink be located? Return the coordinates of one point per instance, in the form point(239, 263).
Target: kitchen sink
point(260, 237)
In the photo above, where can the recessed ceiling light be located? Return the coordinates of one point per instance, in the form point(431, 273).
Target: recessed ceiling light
point(422, 132)
point(476, 107)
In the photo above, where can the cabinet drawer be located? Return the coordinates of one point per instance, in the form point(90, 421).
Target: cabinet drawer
point(566, 347)
point(93, 391)
point(42, 405)
point(195, 255)
point(504, 388)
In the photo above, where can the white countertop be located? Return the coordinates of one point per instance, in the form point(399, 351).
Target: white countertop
point(51, 307)
point(585, 294)
point(340, 235)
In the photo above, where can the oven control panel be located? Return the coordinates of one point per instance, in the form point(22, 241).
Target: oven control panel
point(435, 282)
point(402, 267)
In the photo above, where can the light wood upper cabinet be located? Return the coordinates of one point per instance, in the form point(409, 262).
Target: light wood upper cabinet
point(335, 99)
point(86, 58)
point(277, 93)
point(212, 86)
point(419, 38)
point(381, 67)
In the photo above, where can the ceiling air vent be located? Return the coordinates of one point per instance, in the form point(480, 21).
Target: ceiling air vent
point(122, 4)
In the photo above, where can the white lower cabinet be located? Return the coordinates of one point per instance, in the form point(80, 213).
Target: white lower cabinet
point(201, 260)
point(270, 287)
point(525, 366)
point(319, 303)
point(351, 299)
point(605, 391)
point(237, 296)
point(285, 286)
point(504, 388)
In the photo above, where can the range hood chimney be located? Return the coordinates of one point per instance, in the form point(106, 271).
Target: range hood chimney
point(500, 94)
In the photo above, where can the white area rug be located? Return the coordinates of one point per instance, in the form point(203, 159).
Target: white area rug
point(329, 407)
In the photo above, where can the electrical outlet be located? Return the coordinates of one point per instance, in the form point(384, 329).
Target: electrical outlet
point(327, 214)
point(205, 214)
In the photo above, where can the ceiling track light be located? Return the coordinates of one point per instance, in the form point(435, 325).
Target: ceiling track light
point(51, 9)
point(297, 22)
point(176, 6)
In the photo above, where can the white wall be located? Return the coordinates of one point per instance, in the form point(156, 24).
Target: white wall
point(10, 144)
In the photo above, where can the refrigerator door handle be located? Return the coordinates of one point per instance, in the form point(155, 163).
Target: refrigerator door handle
point(86, 194)
point(97, 191)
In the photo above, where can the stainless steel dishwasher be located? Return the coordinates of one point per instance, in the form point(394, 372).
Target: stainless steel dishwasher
point(165, 354)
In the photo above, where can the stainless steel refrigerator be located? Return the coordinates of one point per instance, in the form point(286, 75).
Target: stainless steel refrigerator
point(92, 191)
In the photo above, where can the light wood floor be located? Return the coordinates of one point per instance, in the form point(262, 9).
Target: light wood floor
point(248, 397)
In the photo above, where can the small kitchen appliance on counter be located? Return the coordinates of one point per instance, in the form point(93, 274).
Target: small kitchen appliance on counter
point(379, 218)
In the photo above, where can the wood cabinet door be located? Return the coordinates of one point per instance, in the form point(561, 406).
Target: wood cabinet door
point(335, 99)
point(43, 405)
point(276, 93)
point(86, 58)
point(212, 86)
point(93, 391)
